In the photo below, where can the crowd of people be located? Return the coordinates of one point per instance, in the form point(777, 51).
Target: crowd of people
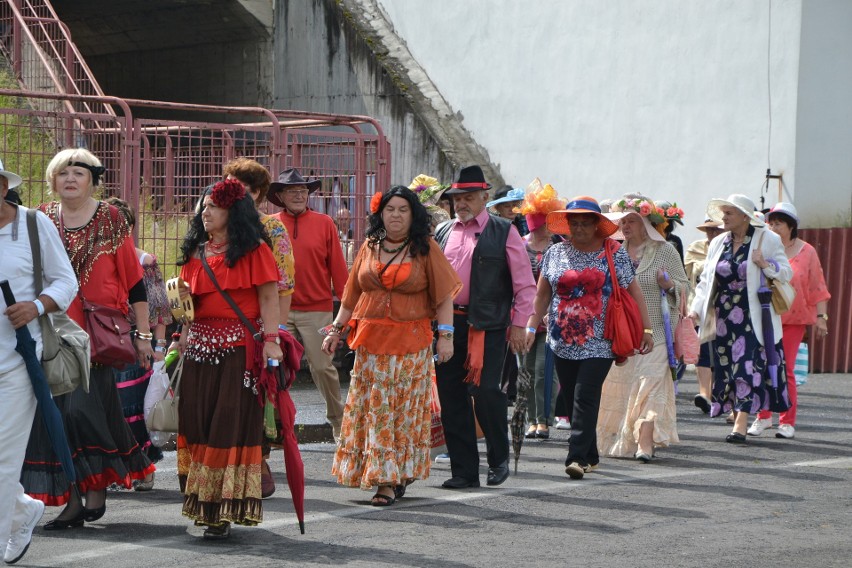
point(445, 275)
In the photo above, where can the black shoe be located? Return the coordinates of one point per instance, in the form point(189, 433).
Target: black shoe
point(463, 483)
point(498, 474)
point(702, 403)
point(92, 515)
point(735, 438)
point(58, 525)
point(220, 532)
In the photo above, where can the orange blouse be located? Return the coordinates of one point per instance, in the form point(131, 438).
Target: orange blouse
point(809, 283)
point(392, 315)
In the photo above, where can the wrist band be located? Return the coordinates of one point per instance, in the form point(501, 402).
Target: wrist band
point(160, 349)
point(443, 327)
point(39, 306)
point(162, 342)
point(282, 327)
point(531, 330)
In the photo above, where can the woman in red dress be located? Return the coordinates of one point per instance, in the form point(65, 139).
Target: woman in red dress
point(98, 241)
point(220, 429)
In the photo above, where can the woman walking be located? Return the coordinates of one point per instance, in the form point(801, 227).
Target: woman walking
point(220, 428)
point(400, 283)
point(99, 244)
point(638, 400)
point(726, 302)
point(574, 290)
point(809, 308)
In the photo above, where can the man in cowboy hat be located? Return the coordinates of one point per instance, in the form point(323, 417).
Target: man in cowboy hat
point(319, 264)
point(489, 256)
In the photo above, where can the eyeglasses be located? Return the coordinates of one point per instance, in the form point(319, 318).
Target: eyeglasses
point(295, 192)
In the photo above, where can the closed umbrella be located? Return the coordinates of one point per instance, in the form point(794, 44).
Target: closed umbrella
point(519, 415)
point(667, 326)
point(773, 358)
point(26, 346)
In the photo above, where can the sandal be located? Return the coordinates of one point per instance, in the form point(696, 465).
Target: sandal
point(382, 500)
point(220, 532)
point(531, 432)
point(542, 433)
point(399, 490)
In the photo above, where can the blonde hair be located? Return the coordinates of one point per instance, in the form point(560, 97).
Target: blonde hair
point(61, 161)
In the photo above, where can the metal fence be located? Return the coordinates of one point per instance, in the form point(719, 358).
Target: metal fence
point(161, 165)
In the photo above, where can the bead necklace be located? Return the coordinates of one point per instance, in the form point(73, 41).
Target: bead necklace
point(394, 250)
point(217, 248)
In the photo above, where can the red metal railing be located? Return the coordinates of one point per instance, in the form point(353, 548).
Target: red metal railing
point(160, 166)
point(834, 247)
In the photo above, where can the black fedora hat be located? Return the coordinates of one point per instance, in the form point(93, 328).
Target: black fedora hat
point(469, 178)
point(289, 178)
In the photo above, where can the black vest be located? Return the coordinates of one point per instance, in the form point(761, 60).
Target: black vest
point(491, 292)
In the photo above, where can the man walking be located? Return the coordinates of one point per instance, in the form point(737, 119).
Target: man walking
point(489, 256)
point(319, 264)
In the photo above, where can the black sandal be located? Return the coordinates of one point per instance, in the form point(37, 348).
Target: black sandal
point(382, 500)
point(735, 438)
point(399, 490)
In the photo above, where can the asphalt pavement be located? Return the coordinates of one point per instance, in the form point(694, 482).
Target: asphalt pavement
point(702, 503)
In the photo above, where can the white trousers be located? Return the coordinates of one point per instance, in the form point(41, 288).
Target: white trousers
point(17, 408)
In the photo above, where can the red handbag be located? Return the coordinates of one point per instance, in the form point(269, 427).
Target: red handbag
point(109, 335)
point(623, 324)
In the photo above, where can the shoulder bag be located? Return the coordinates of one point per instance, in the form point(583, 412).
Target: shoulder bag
point(65, 345)
point(623, 324)
point(783, 293)
point(164, 415)
point(687, 346)
point(108, 328)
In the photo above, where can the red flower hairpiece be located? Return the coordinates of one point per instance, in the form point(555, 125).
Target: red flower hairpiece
point(227, 192)
point(375, 201)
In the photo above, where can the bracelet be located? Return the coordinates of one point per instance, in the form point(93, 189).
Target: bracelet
point(176, 336)
point(531, 330)
point(443, 327)
point(160, 349)
point(338, 327)
point(161, 342)
point(648, 331)
point(270, 336)
point(144, 336)
point(39, 306)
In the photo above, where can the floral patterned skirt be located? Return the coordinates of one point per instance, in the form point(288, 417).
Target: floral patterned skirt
point(220, 431)
point(742, 380)
point(385, 437)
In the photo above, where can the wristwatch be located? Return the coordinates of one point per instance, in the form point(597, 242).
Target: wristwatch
point(448, 335)
point(823, 316)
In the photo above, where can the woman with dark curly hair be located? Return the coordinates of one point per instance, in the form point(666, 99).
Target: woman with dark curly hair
point(400, 282)
point(219, 463)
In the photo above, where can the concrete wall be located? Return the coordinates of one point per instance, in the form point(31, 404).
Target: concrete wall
point(323, 65)
point(666, 97)
point(824, 126)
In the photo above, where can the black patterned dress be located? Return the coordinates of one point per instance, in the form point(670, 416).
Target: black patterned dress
point(741, 380)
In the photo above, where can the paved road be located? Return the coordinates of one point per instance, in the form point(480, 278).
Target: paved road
point(703, 503)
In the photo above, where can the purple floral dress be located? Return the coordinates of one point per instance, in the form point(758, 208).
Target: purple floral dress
point(741, 381)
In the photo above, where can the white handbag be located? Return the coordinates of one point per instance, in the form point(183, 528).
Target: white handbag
point(164, 414)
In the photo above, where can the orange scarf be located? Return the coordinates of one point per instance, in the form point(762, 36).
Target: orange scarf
point(475, 355)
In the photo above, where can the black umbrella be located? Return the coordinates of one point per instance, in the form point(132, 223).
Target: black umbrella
point(519, 415)
point(26, 346)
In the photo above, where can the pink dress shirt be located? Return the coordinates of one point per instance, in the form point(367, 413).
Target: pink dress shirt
point(459, 251)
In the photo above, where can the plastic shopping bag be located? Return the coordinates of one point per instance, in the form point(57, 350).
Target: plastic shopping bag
point(157, 387)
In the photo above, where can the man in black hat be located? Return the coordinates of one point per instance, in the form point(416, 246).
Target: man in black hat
point(489, 256)
point(319, 263)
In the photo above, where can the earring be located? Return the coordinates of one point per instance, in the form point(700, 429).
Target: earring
point(381, 234)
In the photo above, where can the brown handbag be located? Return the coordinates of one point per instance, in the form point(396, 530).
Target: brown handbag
point(109, 333)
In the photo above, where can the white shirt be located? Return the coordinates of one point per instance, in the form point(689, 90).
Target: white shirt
point(16, 266)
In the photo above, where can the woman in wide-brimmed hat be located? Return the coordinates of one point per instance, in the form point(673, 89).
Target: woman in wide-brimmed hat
point(809, 308)
point(696, 255)
point(727, 306)
point(574, 290)
point(638, 400)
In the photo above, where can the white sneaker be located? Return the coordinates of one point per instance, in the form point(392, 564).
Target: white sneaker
point(21, 539)
point(759, 425)
point(442, 458)
point(563, 424)
point(785, 431)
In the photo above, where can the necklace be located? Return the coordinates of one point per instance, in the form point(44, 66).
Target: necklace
point(217, 248)
point(393, 242)
point(394, 250)
point(792, 244)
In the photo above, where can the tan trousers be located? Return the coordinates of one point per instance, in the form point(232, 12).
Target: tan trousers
point(304, 326)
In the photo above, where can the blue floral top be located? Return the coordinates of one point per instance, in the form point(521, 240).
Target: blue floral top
point(581, 288)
